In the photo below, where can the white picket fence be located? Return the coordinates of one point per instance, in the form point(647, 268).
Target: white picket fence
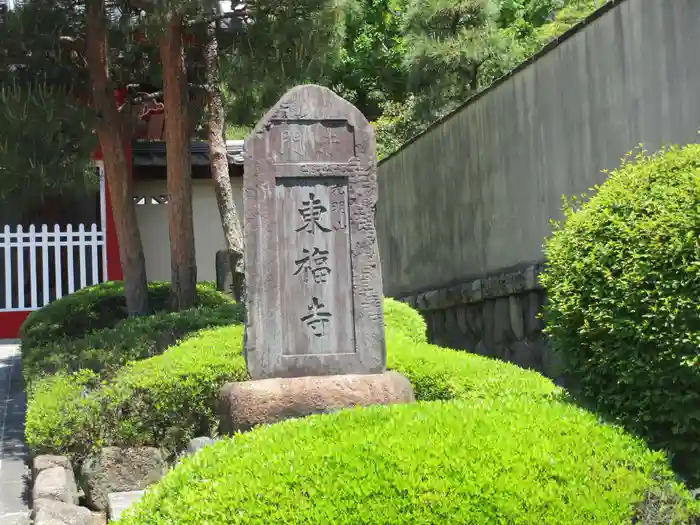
point(43, 264)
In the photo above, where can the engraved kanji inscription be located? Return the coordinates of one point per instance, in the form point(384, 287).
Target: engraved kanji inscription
point(311, 212)
point(314, 287)
point(323, 141)
point(339, 217)
point(328, 143)
point(317, 318)
point(315, 263)
point(292, 143)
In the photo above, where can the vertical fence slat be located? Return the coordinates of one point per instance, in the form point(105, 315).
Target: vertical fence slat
point(46, 280)
point(6, 244)
point(57, 264)
point(81, 255)
point(94, 244)
point(71, 267)
point(34, 296)
point(45, 257)
point(20, 268)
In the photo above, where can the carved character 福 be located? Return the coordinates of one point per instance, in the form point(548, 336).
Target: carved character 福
point(316, 263)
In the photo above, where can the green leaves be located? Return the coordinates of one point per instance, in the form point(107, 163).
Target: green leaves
point(46, 144)
point(623, 292)
point(512, 460)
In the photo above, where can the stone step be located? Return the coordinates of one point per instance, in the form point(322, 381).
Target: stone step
point(118, 502)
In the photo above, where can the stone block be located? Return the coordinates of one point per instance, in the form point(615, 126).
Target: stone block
point(472, 291)
point(51, 512)
point(56, 483)
point(44, 462)
point(198, 443)
point(313, 274)
point(244, 405)
point(502, 334)
point(517, 321)
point(119, 502)
point(16, 518)
point(532, 305)
point(526, 354)
point(115, 469)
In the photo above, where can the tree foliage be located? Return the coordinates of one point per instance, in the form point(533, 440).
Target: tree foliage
point(48, 121)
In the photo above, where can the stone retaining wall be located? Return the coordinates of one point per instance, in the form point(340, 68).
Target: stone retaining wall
point(496, 316)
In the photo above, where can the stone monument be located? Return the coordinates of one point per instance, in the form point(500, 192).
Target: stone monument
point(314, 287)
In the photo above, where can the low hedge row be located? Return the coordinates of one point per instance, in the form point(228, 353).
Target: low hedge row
point(165, 400)
point(106, 351)
point(97, 307)
point(157, 401)
point(512, 460)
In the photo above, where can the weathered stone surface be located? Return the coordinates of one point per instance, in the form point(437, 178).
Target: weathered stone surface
point(198, 443)
point(533, 307)
point(118, 502)
point(99, 518)
point(17, 518)
point(517, 321)
point(502, 333)
point(44, 462)
point(526, 354)
point(51, 512)
point(56, 483)
point(314, 285)
point(246, 404)
point(115, 469)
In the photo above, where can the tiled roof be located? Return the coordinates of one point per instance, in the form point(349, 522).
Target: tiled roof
point(152, 153)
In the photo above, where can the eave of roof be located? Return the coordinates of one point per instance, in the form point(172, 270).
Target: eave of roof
point(152, 152)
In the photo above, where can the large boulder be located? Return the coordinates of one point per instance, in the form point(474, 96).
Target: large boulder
point(56, 483)
point(115, 469)
point(52, 512)
point(44, 462)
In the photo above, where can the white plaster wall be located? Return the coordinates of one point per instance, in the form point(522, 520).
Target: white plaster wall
point(209, 237)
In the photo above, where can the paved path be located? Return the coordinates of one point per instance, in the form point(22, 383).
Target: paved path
point(14, 472)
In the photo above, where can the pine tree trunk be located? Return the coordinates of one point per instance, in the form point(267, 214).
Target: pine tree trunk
point(112, 133)
point(219, 168)
point(183, 262)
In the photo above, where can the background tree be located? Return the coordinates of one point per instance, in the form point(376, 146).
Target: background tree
point(67, 44)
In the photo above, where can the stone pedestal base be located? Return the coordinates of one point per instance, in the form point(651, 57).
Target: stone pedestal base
point(246, 404)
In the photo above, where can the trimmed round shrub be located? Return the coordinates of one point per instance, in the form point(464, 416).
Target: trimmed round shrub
point(106, 351)
point(100, 306)
point(400, 317)
point(164, 401)
point(481, 462)
point(623, 281)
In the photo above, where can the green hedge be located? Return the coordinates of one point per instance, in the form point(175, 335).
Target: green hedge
point(97, 307)
point(488, 461)
point(106, 351)
point(162, 401)
point(624, 300)
point(155, 401)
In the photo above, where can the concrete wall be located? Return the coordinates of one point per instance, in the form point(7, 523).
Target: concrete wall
point(209, 237)
point(472, 198)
